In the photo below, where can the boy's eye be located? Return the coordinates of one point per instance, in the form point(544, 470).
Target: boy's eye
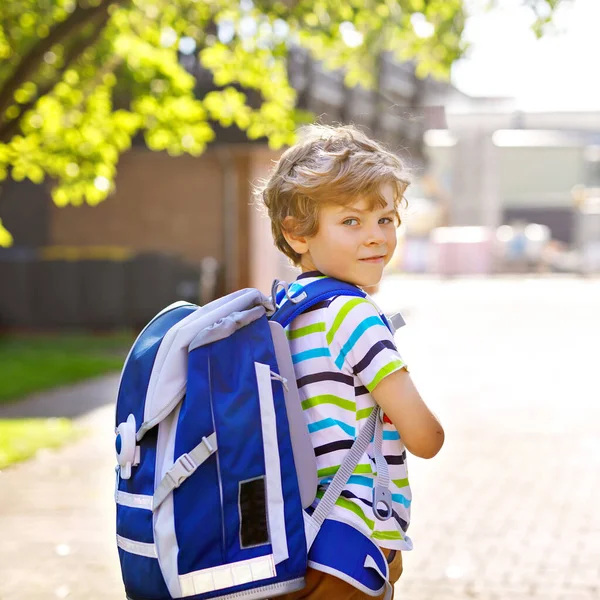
point(385, 220)
point(351, 221)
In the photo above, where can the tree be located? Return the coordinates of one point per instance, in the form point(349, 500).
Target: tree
point(80, 78)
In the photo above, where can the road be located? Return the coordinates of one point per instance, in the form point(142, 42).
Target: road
point(507, 510)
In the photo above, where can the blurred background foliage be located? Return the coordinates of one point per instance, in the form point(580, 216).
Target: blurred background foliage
point(80, 78)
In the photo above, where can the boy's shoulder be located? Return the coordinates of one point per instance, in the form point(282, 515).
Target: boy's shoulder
point(341, 314)
point(349, 316)
point(343, 302)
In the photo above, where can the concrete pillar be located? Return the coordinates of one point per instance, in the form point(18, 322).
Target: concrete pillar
point(476, 198)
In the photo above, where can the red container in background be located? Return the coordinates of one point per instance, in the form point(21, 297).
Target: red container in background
point(461, 251)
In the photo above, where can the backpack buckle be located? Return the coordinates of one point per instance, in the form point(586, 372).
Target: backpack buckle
point(183, 467)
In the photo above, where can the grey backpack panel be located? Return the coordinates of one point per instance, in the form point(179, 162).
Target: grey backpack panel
point(304, 455)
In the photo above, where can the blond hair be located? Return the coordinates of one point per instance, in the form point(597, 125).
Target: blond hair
point(327, 165)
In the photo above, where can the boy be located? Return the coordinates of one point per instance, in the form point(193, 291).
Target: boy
point(333, 201)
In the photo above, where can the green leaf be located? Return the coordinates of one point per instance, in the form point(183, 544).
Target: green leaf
point(6, 238)
point(74, 111)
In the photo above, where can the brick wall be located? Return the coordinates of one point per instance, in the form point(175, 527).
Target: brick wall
point(162, 203)
point(178, 205)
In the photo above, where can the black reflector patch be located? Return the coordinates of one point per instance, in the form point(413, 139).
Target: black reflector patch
point(254, 530)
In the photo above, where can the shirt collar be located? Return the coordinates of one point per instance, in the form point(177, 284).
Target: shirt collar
point(308, 274)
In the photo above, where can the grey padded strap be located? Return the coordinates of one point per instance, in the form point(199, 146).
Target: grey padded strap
point(183, 467)
point(383, 476)
point(340, 479)
point(382, 497)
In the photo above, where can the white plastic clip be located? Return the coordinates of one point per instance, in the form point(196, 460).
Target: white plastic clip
point(283, 380)
point(128, 452)
point(275, 287)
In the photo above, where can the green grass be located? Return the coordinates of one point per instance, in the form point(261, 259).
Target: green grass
point(22, 438)
point(34, 363)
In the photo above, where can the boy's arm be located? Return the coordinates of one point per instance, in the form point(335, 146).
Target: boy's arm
point(419, 429)
point(360, 342)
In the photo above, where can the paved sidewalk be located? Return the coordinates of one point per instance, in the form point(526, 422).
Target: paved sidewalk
point(508, 510)
point(72, 401)
point(56, 511)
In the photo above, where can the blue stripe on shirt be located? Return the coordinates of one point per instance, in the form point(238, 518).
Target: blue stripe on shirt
point(326, 423)
point(388, 435)
point(362, 327)
point(400, 499)
point(307, 354)
point(361, 480)
point(355, 479)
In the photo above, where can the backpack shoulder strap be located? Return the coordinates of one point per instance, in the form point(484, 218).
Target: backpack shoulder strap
point(308, 296)
point(315, 292)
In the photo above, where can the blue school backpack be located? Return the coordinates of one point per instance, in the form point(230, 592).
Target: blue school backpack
point(216, 473)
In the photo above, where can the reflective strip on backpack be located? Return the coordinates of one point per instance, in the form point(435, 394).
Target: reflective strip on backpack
point(164, 515)
point(275, 504)
point(139, 548)
point(133, 500)
point(225, 576)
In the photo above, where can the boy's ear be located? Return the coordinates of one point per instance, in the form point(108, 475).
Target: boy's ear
point(297, 242)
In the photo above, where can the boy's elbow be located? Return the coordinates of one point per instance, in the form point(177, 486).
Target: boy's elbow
point(437, 441)
point(429, 448)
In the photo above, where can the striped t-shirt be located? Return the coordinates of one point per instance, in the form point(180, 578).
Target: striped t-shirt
point(341, 350)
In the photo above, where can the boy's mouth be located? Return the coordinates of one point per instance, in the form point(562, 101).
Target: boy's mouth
point(373, 259)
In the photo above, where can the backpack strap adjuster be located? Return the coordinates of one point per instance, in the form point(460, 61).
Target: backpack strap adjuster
point(183, 467)
point(208, 445)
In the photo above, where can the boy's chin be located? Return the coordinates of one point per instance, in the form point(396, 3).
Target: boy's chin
point(367, 282)
point(371, 289)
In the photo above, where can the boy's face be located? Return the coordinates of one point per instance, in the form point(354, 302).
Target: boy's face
point(353, 243)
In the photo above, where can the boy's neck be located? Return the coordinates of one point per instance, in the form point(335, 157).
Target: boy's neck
point(310, 273)
point(306, 273)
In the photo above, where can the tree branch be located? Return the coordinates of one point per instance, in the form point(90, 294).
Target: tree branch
point(31, 61)
point(108, 67)
point(8, 129)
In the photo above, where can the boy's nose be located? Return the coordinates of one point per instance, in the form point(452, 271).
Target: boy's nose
point(375, 236)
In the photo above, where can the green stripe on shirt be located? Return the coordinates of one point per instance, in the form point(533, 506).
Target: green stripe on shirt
point(344, 503)
point(383, 372)
point(364, 413)
point(400, 483)
point(329, 399)
point(302, 331)
point(339, 319)
point(387, 535)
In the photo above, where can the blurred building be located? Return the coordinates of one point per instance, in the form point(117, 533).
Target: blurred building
point(198, 207)
point(500, 166)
